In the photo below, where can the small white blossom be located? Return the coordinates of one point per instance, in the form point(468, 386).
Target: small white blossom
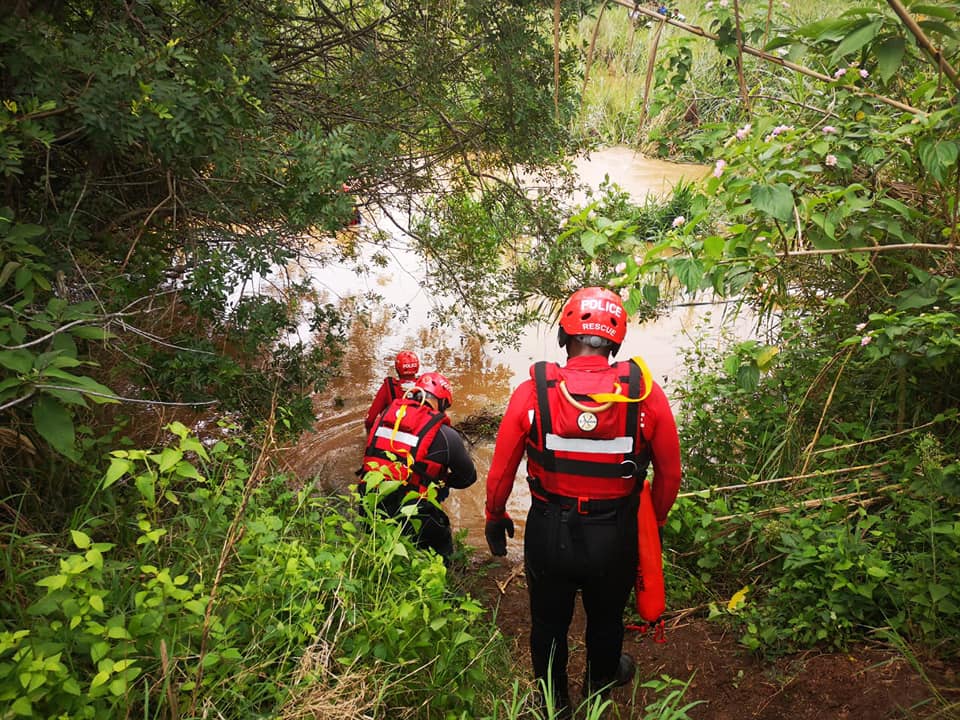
point(678, 221)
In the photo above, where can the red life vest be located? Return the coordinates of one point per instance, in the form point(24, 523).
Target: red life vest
point(399, 449)
point(580, 454)
point(396, 387)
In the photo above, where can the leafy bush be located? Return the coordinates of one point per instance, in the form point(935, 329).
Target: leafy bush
point(212, 575)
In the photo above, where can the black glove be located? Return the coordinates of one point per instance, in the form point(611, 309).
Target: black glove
point(496, 532)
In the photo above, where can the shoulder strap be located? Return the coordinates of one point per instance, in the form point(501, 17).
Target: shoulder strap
point(543, 413)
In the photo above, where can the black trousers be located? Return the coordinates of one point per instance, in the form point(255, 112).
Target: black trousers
point(429, 527)
point(595, 554)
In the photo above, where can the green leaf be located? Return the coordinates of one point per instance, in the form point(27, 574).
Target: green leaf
point(7, 271)
point(118, 468)
point(22, 706)
point(185, 469)
point(713, 246)
point(590, 241)
point(145, 484)
point(633, 301)
point(689, 272)
point(87, 385)
point(90, 332)
point(99, 679)
point(25, 230)
point(118, 686)
point(99, 650)
point(947, 12)
point(748, 376)
point(937, 156)
point(774, 200)
point(80, 539)
point(169, 457)
point(937, 27)
point(856, 40)
point(53, 582)
point(938, 592)
point(889, 56)
point(766, 356)
point(55, 425)
point(20, 361)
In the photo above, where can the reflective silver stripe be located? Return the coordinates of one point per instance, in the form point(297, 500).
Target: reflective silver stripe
point(402, 437)
point(613, 446)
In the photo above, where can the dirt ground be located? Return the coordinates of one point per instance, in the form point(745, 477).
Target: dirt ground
point(865, 683)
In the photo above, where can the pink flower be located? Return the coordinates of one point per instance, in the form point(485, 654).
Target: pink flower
point(777, 131)
point(829, 130)
point(865, 340)
point(743, 132)
point(864, 73)
point(718, 168)
point(830, 160)
point(620, 267)
point(709, 5)
point(678, 221)
point(839, 73)
point(861, 326)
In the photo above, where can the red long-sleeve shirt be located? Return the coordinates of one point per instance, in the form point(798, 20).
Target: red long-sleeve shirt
point(660, 432)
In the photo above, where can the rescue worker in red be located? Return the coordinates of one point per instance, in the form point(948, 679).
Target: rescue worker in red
point(588, 443)
point(412, 441)
point(407, 365)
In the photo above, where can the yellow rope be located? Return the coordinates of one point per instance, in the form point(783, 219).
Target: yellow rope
point(580, 406)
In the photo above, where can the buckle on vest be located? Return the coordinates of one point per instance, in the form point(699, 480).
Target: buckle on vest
point(580, 509)
point(633, 472)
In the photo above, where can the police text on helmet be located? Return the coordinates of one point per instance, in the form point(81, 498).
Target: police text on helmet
point(605, 305)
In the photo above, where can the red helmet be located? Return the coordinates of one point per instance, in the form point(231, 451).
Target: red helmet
point(595, 311)
point(407, 364)
point(438, 386)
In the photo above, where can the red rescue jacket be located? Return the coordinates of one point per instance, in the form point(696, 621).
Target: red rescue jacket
point(599, 455)
point(399, 448)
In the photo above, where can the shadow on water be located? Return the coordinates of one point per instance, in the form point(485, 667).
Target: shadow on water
point(482, 377)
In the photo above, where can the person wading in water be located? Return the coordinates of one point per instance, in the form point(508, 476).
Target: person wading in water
point(407, 365)
point(589, 429)
point(412, 441)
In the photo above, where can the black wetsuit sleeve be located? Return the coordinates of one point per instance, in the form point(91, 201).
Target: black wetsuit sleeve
point(448, 449)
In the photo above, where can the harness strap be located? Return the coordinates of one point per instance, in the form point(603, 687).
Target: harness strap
point(634, 463)
point(549, 461)
point(583, 506)
point(419, 465)
point(543, 403)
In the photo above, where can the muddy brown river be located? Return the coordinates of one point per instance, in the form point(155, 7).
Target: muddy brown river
point(482, 376)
